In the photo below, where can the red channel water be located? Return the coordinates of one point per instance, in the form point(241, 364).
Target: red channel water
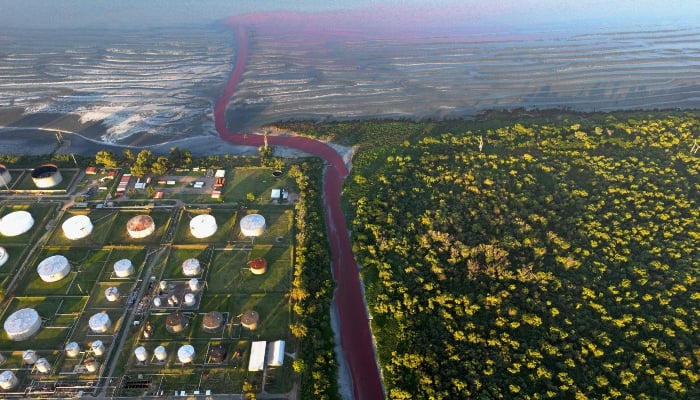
point(356, 339)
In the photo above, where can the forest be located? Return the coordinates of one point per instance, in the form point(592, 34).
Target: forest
point(552, 258)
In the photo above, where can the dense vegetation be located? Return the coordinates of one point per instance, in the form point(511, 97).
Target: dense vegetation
point(312, 288)
point(534, 260)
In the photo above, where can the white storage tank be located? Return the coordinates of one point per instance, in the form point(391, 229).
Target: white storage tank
point(194, 284)
point(29, 357)
point(100, 322)
point(46, 176)
point(203, 226)
point(8, 380)
point(112, 293)
point(190, 300)
point(91, 365)
point(140, 226)
point(5, 177)
point(54, 268)
point(98, 348)
point(72, 350)
point(160, 353)
point(123, 268)
point(22, 324)
point(42, 365)
point(16, 223)
point(3, 256)
point(191, 267)
point(186, 354)
point(157, 302)
point(141, 354)
point(77, 227)
point(253, 225)
point(163, 285)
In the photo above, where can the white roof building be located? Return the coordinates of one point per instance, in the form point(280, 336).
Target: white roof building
point(257, 356)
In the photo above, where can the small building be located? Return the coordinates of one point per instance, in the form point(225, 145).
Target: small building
point(257, 356)
point(91, 170)
point(275, 355)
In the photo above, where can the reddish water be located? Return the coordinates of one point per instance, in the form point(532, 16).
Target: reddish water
point(356, 339)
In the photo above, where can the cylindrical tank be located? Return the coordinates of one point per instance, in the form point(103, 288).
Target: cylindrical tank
point(186, 354)
point(141, 354)
point(46, 176)
point(77, 227)
point(212, 321)
point(16, 223)
point(160, 353)
point(112, 293)
point(72, 349)
point(176, 322)
point(8, 380)
point(250, 319)
point(91, 365)
point(194, 284)
point(5, 177)
point(203, 226)
point(191, 267)
point(2, 359)
point(53, 268)
point(42, 365)
point(163, 285)
point(4, 256)
point(22, 324)
point(29, 357)
point(156, 302)
point(98, 348)
point(253, 225)
point(140, 226)
point(123, 268)
point(258, 266)
point(100, 322)
point(190, 300)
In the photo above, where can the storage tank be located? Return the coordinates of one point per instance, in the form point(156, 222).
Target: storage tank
point(72, 350)
point(212, 321)
point(8, 380)
point(91, 365)
point(203, 226)
point(123, 268)
point(77, 227)
point(191, 267)
point(186, 354)
point(250, 319)
point(16, 223)
point(46, 176)
point(140, 226)
point(54, 268)
point(194, 284)
point(2, 359)
point(3, 256)
point(157, 302)
point(98, 348)
point(160, 353)
point(42, 365)
point(112, 293)
point(190, 300)
point(5, 177)
point(100, 322)
point(258, 266)
point(141, 354)
point(253, 225)
point(22, 324)
point(176, 322)
point(29, 357)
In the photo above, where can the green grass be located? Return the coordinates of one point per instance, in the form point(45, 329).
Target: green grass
point(256, 180)
point(119, 235)
point(226, 271)
point(225, 221)
point(274, 315)
point(102, 221)
point(173, 263)
point(279, 226)
point(233, 276)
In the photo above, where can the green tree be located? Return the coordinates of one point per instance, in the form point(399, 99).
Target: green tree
point(106, 158)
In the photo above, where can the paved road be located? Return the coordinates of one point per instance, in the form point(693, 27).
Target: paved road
point(356, 339)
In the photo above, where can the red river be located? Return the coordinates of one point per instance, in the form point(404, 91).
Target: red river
point(356, 339)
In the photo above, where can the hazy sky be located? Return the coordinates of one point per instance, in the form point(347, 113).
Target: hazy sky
point(515, 13)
